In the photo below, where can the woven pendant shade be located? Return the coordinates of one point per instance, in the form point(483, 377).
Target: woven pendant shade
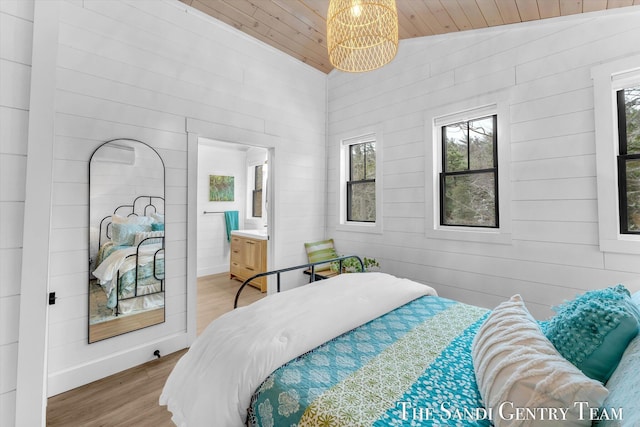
point(362, 35)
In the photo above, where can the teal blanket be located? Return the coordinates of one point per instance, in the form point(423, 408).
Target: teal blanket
point(411, 366)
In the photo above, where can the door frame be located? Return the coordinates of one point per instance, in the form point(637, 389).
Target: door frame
point(197, 129)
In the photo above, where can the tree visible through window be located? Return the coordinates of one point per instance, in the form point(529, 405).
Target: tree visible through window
point(469, 178)
point(629, 159)
point(361, 186)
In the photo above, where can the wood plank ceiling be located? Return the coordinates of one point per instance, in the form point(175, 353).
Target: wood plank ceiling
point(298, 27)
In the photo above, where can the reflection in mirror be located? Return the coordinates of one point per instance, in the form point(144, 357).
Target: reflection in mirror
point(126, 238)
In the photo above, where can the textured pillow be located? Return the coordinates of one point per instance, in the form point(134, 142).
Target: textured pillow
point(321, 251)
point(157, 226)
point(125, 234)
point(139, 238)
point(593, 330)
point(624, 387)
point(517, 367)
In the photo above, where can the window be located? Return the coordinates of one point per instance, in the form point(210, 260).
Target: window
point(359, 195)
point(256, 210)
point(467, 143)
point(628, 100)
point(616, 98)
point(469, 177)
point(361, 185)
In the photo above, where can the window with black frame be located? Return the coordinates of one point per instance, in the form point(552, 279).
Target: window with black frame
point(469, 177)
point(256, 210)
point(629, 159)
point(361, 185)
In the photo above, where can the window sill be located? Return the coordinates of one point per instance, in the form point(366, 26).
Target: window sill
point(481, 235)
point(360, 227)
point(624, 244)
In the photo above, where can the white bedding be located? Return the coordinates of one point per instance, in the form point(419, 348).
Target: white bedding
point(118, 260)
point(213, 382)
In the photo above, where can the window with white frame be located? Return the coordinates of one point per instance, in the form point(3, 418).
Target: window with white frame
point(616, 87)
point(360, 183)
point(465, 150)
point(469, 175)
point(256, 192)
point(628, 109)
point(256, 199)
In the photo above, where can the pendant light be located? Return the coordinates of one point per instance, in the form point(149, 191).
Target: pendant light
point(362, 35)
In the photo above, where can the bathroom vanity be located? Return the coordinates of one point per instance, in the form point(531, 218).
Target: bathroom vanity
point(249, 256)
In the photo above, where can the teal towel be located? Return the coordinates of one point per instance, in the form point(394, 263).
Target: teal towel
point(231, 220)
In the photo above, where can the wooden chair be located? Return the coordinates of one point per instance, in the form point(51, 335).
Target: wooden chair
point(320, 251)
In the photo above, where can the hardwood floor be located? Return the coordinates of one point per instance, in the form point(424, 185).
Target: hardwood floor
point(130, 398)
point(216, 294)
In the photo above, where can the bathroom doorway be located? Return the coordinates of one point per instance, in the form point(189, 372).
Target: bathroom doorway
point(232, 199)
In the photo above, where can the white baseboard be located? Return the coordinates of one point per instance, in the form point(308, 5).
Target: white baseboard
point(59, 382)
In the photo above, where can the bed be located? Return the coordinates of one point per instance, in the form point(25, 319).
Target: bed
point(129, 264)
point(371, 349)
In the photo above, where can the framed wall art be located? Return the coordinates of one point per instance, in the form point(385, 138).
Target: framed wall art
point(221, 188)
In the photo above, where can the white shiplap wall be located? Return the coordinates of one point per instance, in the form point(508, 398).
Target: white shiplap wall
point(545, 70)
point(139, 69)
point(16, 29)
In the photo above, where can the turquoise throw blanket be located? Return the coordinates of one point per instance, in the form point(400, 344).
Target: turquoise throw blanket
point(414, 358)
point(231, 220)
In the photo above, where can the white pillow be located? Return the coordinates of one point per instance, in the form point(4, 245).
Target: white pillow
point(157, 217)
point(132, 219)
point(146, 234)
point(636, 298)
point(518, 369)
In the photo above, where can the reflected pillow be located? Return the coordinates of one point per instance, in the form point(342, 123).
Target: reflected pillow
point(594, 329)
point(131, 219)
point(516, 366)
point(140, 237)
point(157, 217)
point(125, 234)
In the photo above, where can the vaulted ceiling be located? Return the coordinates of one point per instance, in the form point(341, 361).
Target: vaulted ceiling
point(298, 27)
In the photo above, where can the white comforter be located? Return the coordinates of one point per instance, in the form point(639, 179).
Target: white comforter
point(213, 382)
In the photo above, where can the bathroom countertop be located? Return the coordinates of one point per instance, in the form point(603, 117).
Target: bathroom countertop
point(254, 234)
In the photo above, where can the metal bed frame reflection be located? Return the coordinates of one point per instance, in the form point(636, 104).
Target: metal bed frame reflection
point(133, 212)
point(107, 235)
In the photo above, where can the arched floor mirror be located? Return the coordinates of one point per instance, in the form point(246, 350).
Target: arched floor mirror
point(126, 238)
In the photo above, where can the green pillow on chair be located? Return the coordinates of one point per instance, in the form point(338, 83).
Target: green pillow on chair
point(321, 251)
point(593, 330)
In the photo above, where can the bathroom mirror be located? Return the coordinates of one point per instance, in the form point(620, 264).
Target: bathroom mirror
point(126, 238)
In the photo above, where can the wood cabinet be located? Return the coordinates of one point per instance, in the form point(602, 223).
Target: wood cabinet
point(248, 257)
